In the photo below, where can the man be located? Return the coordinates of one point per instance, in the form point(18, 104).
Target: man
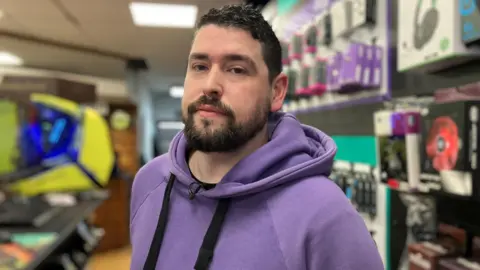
point(244, 186)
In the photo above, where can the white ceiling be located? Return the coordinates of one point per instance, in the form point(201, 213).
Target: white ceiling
point(103, 25)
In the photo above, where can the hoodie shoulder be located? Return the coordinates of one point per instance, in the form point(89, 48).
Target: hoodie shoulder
point(315, 209)
point(147, 179)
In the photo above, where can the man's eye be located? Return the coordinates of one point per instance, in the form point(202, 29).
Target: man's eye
point(237, 70)
point(199, 67)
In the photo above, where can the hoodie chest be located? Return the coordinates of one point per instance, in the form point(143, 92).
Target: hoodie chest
point(247, 239)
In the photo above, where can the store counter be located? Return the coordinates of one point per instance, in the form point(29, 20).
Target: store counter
point(63, 242)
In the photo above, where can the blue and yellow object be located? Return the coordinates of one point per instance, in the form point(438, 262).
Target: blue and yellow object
point(65, 146)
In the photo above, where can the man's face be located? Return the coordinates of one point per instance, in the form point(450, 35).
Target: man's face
point(227, 94)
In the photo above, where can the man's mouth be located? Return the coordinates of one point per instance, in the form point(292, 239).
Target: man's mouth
point(209, 109)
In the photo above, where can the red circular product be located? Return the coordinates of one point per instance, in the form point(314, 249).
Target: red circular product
point(443, 144)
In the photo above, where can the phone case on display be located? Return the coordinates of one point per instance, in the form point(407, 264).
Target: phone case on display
point(430, 35)
point(470, 21)
point(318, 77)
point(450, 148)
point(285, 54)
point(343, 184)
point(333, 72)
point(327, 30)
point(361, 199)
point(296, 50)
point(302, 88)
point(292, 81)
point(375, 80)
point(353, 66)
point(310, 39)
point(462, 93)
point(373, 198)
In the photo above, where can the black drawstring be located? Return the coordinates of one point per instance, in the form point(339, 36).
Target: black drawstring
point(157, 240)
point(205, 254)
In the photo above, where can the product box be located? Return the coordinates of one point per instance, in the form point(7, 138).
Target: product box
point(470, 21)
point(459, 264)
point(450, 148)
point(398, 140)
point(426, 255)
point(428, 36)
point(353, 65)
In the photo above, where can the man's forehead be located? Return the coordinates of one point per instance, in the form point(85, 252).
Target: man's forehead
point(218, 41)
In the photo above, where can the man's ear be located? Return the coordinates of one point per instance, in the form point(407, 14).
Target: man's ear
point(279, 91)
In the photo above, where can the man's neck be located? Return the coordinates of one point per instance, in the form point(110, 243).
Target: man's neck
point(212, 167)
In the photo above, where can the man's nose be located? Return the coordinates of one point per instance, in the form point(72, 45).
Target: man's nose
point(214, 85)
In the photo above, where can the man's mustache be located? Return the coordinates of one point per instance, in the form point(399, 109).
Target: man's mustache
point(205, 100)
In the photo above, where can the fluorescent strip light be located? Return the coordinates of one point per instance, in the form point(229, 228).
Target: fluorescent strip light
point(171, 125)
point(176, 91)
point(8, 59)
point(163, 15)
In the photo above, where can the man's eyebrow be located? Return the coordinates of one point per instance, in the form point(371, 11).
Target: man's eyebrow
point(198, 56)
point(228, 58)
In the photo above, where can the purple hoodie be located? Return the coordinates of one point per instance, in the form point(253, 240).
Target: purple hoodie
point(284, 212)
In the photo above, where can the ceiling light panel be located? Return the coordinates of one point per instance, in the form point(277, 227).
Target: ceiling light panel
point(9, 59)
point(163, 15)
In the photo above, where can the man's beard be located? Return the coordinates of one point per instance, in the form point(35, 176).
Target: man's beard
point(227, 138)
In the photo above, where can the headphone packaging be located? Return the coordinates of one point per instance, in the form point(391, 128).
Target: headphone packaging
point(470, 21)
point(398, 139)
point(428, 36)
point(449, 148)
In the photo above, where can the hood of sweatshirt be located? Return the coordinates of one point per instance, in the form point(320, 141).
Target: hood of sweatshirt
point(294, 152)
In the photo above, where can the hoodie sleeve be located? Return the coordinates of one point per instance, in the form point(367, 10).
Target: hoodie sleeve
point(343, 243)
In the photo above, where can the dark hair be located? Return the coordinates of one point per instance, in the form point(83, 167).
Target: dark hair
point(250, 19)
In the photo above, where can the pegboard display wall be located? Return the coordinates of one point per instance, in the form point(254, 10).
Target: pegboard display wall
point(335, 58)
point(355, 116)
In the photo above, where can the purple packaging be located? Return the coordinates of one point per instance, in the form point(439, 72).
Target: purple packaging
point(375, 80)
point(353, 66)
point(334, 66)
point(405, 123)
